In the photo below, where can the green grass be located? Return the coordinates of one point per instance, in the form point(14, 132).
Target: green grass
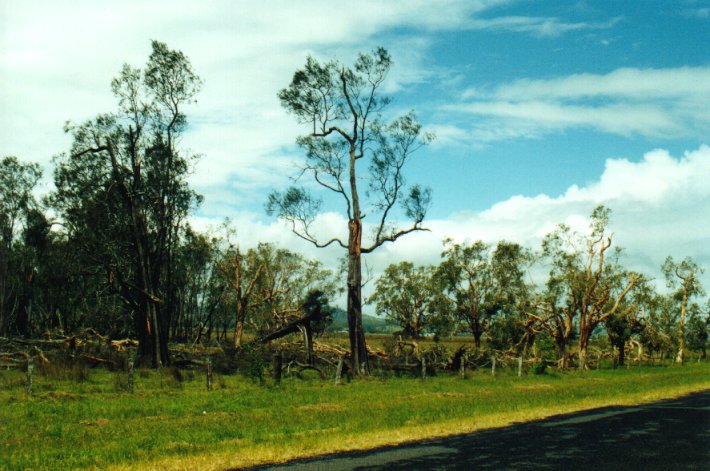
point(171, 424)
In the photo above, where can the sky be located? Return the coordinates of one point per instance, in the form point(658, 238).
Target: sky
point(542, 110)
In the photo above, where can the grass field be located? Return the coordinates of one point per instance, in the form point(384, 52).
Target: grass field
point(166, 423)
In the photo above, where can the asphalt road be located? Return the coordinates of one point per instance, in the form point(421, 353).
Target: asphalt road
point(666, 435)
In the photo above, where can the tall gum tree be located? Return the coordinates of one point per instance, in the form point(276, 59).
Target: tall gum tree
point(342, 109)
point(684, 278)
point(122, 191)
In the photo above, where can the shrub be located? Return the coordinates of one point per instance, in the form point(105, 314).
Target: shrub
point(540, 368)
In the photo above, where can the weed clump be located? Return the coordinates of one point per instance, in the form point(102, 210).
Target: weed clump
point(64, 368)
point(171, 377)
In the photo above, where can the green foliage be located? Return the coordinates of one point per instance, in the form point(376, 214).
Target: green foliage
point(254, 362)
point(697, 329)
point(411, 297)
point(683, 276)
point(540, 368)
point(123, 196)
point(23, 232)
point(660, 334)
point(483, 282)
point(316, 304)
point(587, 284)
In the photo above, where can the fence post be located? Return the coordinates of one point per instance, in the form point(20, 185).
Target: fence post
point(208, 362)
point(493, 365)
point(423, 368)
point(462, 367)
point(30, 372)
point(131, 369)
point(520, 366)
point(339, 371)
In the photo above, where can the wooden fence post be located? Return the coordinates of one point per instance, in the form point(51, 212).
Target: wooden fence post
point(30, 373)
point(520, 366)
point(493, 365)
point(339, 371)
point(208, 362)
point(423, 368)
point(462, 367)
point(131, 369)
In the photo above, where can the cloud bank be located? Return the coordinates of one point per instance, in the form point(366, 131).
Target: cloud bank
point(660, 205)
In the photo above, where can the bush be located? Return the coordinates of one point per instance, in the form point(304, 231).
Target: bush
point(540, 368)
point(253, 362)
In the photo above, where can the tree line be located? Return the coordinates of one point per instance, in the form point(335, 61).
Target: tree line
point(111, 247)
point(492, 292)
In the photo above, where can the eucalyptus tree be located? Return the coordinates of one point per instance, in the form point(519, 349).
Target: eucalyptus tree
point(588, 282)
point(241, 272)
point(482, 281)
point(198, 286)
point(349, 142)
point(659, 316)
point(268, 285)
point(122, 190)
point(684, 278)
point(288, 279)
point(408, 295)
point(18, 215)
point(550, 311)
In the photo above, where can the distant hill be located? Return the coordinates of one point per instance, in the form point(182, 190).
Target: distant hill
point(371, 324)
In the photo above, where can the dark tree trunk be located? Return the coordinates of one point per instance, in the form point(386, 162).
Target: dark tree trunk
point(477, 339)
point(358, 349)
point(621, 353)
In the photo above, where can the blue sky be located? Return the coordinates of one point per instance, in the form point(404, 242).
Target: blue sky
point(542, 109)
